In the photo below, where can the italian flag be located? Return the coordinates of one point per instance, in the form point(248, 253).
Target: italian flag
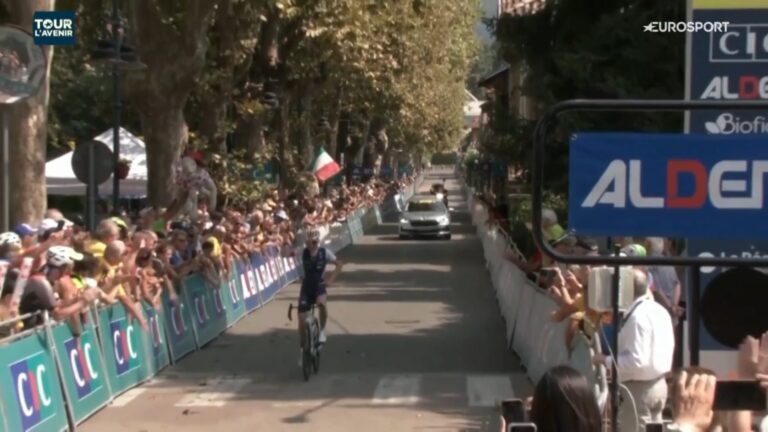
point(324, 167)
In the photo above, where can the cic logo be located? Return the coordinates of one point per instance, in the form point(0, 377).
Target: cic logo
point(177, 321)
point(201, 312)
point(217, 301)
point(124, 342)
point(34, 388)
point(154, 329)
point(80, 358)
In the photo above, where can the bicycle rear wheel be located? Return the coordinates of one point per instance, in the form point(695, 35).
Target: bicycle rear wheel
point(316, 350)
point(307, 361)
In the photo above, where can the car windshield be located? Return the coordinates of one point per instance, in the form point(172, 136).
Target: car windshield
point(426, 206)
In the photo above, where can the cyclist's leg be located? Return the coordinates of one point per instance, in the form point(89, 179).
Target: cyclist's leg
point(322, 305)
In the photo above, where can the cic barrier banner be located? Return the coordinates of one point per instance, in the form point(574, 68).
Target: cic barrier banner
point(114, 354)
point(235, 305)
point(123, 349)
point(207, 308)
point(83, 372)
point(156, 348)
point(29, 386)
point(180, 336)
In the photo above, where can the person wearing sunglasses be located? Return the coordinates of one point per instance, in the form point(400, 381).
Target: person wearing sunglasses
point(313, 285)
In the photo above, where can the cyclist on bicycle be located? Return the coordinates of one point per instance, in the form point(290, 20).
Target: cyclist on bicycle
point(313, 285)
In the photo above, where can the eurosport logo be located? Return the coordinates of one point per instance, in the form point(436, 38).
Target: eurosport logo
point(34, 390)
point(729, 124)
point(741, 43)
point(154, 328)
point(686, 26)
point(81, 357)
point(125, 344)
point(745, 87)
point(177, 321)
point(54, 27)
point(621, 182)
point(201, 312)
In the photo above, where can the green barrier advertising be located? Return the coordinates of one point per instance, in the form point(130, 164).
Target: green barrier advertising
point(181, 337)
point(82, 369)
point(123, 349)
point(207, 308)
point(155, 340)
point(355, 228)
point(29, 385)
point(233, 299)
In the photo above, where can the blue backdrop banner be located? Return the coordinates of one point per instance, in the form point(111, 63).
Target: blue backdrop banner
point(668, 185)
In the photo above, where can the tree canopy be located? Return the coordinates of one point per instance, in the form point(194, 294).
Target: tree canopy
point(589, 49)
point(255, 80)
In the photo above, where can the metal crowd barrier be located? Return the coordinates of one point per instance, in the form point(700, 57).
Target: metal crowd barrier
point(527, 310)
point(51, 379)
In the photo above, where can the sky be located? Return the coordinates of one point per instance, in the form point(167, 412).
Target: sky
point(489, 10)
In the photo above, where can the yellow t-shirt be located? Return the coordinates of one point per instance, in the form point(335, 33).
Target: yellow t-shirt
point(96, 248)
point(111, 272)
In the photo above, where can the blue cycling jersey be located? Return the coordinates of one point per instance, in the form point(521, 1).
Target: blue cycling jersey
point(314, 268)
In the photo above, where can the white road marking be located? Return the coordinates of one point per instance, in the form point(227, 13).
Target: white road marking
point(128, 397)
point(488, 390)
point(397, 390)
point(216, 393)
point(304, 404)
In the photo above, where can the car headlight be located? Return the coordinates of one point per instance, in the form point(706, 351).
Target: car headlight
point(404, 221)
point(439, 196)
point(443, 220)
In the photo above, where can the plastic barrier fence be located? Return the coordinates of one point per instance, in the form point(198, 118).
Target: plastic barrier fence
point(51, 380)
point(527, 310)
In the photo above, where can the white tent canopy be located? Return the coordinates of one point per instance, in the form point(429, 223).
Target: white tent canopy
point(61, 180)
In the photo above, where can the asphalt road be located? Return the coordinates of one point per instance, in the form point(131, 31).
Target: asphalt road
point(415, 342)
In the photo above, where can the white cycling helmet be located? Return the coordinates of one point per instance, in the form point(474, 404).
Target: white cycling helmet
point(10, 238)
point(62, 255)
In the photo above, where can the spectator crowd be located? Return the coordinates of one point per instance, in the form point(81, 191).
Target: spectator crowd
point(652, 391)
point(61, 267)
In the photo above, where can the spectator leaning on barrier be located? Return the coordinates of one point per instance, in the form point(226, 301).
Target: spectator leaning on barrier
point(644, 357)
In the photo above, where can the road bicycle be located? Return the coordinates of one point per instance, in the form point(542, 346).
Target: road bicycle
point(310, 351)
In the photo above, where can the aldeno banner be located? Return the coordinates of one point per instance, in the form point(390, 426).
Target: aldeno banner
point(673, 185)
point(730, 66)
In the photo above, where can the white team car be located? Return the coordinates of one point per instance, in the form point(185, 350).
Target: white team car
point(425, 215)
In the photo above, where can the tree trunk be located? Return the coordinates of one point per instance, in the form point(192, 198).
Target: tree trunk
point(165, 124)
point(27, 131)
point(282, 141)
point(160, 93)
point(249, 135)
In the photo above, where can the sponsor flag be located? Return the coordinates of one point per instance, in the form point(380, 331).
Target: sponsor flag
point(324, 167)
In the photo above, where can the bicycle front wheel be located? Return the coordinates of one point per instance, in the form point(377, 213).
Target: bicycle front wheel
point(307, 360)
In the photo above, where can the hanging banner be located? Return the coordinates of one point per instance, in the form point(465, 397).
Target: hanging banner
point(668, 185)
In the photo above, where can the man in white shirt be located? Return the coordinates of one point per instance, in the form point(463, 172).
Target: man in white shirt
point(646, 347)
